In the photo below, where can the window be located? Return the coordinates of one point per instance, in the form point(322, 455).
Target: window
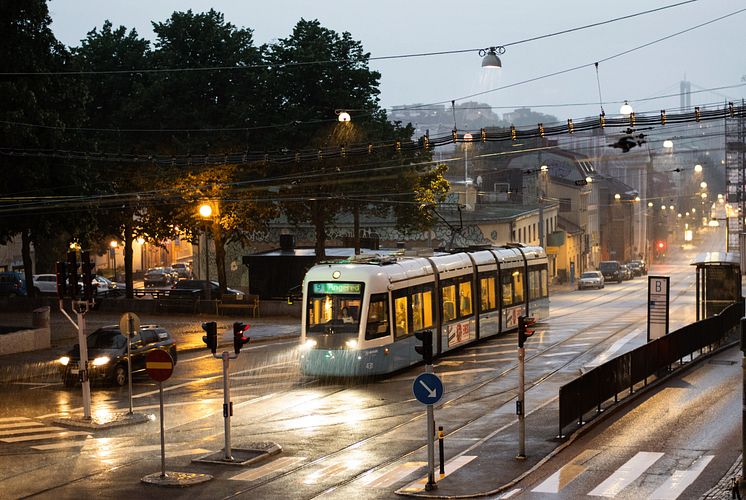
point(518, 285)
point(149, 336)
point(377, 325)
point(507, 286)
point(487, 296)
point(465, 295)
point(422, 309)
point(448, 295)
point(537, 279)
point(401, 320)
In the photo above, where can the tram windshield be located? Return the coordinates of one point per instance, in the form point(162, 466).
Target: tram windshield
point(334, 307)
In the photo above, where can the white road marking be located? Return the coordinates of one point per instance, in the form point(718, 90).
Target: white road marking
point(281, 377)
point(626, 474)
point(13, 419)
point(510, 493)
point(29, 430)
point(267, 469)
point(64, 444)
point(566, 353)
point(326, 471)
point(608, 353)
point(566, 474)
point(386, 478)
point(451, 466)
point(39, 437)
point(680, 480)
point(19, 424)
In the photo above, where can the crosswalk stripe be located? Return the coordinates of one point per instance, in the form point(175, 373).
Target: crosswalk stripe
point(324, 472)
point(14, 432)
point(383, 479)
point(16, 425)
point(266, 469)
point(63, 444)
point(39, 437)
point(680, 480)
point(566, 474)
point(626, 474)
point(13, 419)
point(451, 466)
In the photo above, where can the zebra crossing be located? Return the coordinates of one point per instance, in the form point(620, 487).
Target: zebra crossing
point(39, 436)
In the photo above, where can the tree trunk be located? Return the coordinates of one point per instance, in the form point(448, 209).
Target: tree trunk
point(319, 224)
point(128, 285)
point(217, 236)
point(28, 270)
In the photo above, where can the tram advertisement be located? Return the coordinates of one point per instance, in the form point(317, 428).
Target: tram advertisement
point(511, 317)
point(458, 333)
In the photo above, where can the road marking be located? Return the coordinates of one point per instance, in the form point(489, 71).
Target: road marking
point(607, 354)
point(19, 424)
point(13, 432)
point(483, 353)
point(323, 473)
point(566, 474)
point(680, 480)
point(626, 474)
point(566, 353)
point(64, 444)
point(384, 479)
point(493, 360)
point(510, 493)
point(39, 437)
point(282, 377)
point(13, 419)
point(451, 466)
point(267, 469)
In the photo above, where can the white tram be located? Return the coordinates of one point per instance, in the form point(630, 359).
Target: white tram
point(360, 315)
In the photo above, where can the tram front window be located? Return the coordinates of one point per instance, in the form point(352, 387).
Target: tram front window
point(334, 307)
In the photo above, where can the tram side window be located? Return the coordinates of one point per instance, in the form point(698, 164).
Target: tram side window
point(448, 295)
point(487, 296)
point(401, 320)
point(465, 299)
point(507, 285)
point(422, 309)
point(518, 285)
point(544, 289)
point(377, 324)
point(537, 283)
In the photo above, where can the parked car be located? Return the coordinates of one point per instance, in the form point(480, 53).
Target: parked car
point(45, 283)
point(612, 270)
point(183, 269)
point(159, 276)
point(626, 272)
point(12, 284)
point(107, 354)
point(638, 267)
point(203, 286)
point(591, 279)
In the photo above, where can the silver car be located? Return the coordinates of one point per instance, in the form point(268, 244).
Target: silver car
point(591, 279)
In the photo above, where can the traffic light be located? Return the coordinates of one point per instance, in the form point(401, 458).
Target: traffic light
point(239, 339)
point(87, 270)
point(61, 270)
point(524, 328)
point(426, 349)
point(661, 245)
point(72, 274)
point(211, 339)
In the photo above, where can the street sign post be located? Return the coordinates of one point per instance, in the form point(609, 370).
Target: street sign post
point(129, 324)
point(658, 306)
point(428, 389)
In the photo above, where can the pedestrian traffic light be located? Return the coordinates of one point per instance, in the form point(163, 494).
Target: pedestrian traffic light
point(524, 328)
point(61, 270)
point(426, 349)
point(239, 339)
point(211, 339)
point(87, 270)
point(72, 275)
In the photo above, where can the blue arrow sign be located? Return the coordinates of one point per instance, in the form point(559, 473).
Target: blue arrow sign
point(427, 388)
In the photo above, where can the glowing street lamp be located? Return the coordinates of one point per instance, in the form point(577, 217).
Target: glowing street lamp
point(626, 109)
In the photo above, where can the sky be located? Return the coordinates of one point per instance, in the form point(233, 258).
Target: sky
point(709, 57)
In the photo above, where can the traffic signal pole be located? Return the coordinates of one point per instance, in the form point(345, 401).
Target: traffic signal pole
point(431, 485)
point(519, 403)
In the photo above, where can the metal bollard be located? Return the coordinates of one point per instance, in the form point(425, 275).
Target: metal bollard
point(441, 452)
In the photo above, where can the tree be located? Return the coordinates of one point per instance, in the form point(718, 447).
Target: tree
point(310, 91)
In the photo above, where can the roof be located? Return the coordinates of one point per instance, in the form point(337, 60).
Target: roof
point(717, 258)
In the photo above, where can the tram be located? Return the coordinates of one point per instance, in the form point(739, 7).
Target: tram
point(360, 315)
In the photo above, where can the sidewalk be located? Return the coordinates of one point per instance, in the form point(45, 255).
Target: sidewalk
point(186, 329)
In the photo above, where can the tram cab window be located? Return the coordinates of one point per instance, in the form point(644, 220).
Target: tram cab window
point(422, 309)
point(507, 285)
point(487, 295)
point(448, 295)
point(377, 325)
point(401, 320)
point(518, 285)
point(465, 299)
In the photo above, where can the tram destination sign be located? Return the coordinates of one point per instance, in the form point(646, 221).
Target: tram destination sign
point(328, 288)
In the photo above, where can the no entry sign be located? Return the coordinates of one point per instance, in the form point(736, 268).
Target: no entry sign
point(159, 365)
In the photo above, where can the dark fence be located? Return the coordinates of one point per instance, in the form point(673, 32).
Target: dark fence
point(606, 381)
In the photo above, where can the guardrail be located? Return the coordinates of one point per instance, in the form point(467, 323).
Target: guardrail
point(621, 374)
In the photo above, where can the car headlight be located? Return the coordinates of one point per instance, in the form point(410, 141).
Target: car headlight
point(352, 343)
point(64, 360)
point(310, 344)
point(101, 360)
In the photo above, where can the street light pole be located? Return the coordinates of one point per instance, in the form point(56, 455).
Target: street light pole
point(205, 211)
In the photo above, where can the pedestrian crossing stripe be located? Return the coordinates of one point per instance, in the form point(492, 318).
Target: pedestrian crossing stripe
point(13, 419)
point(626, 474)
point(566, 474)
point(267, 469)
point(323, 473)
point(45, 435)
point(387, 477)
point(16, 425)
point(680, 480)
point(450, 467)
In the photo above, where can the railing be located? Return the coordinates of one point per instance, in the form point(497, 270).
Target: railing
point(594, 388)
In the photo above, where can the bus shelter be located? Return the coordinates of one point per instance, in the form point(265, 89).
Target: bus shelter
point(718, 282)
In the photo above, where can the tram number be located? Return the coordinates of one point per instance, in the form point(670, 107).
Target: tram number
point(369, 366)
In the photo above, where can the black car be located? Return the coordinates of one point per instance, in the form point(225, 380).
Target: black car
point(12, 284)
point(107, 354)
point(160, 276)
point(205, 289)
point(638, 267)
point(611, 270)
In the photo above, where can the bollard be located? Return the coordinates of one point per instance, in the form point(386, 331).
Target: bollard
point(40, 317)
point(441, 452)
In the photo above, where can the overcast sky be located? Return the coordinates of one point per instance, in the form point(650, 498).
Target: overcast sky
point(710, 56)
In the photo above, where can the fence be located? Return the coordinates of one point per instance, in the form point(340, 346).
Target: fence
point(622, 373)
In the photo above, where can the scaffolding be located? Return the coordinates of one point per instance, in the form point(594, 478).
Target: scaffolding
point(735, 176)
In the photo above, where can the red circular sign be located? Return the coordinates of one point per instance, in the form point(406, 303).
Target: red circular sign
point(159, 365)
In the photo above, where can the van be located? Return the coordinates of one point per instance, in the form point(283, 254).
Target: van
point(612, 270)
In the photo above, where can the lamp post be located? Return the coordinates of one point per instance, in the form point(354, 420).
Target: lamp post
point(205, 211)
point(114, 244)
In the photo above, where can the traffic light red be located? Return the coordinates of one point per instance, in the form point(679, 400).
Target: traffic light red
point(525, 330)
point(239, 339)
point(661, 245)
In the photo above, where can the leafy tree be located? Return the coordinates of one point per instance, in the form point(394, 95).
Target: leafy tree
point(309, 95)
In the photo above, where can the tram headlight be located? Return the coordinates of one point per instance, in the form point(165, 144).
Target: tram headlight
point(352, 343)
point(309, 344)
